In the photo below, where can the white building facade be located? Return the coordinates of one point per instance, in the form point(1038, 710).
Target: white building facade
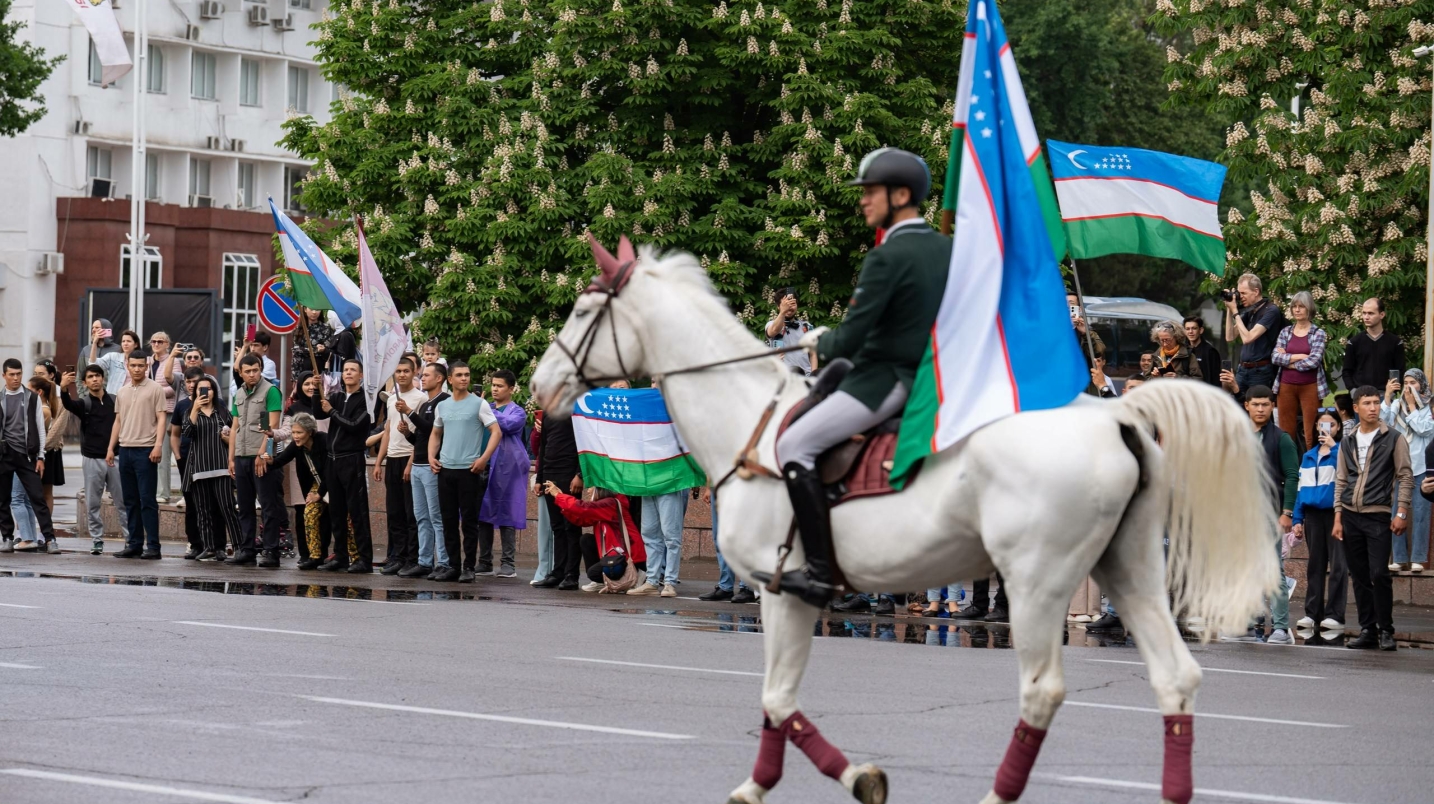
point(220, 80)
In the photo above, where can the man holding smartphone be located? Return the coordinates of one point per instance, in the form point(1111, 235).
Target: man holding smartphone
point(95, 410)
point(786, 329)
point(256, 407)
point(179, 445)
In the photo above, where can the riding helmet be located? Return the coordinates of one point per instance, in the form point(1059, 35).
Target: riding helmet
point(894, 167)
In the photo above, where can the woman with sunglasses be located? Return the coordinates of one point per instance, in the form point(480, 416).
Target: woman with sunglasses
point(1406, 410)
point(1314, 522)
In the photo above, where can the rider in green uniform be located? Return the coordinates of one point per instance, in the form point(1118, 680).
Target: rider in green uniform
point(885, 335)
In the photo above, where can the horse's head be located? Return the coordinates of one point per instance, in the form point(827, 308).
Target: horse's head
point(601, 342)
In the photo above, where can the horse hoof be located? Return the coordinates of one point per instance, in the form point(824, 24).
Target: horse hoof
point(869, 786)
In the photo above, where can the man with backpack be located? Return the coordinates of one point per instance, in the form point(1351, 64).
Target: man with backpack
point(95, 409)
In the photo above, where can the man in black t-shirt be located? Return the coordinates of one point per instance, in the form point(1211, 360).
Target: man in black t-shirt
point(1257, 322)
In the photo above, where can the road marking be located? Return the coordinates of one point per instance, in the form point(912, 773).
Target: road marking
point(14, 666)
point(722, 628)
point(662, 666)
point(115, 784)
point(304, 675)
point(1235, 795)
point(1207, 714)
point(1218, 670)
point(364, 600)
point(249, 628)
point(521, 721)
point(17, 606)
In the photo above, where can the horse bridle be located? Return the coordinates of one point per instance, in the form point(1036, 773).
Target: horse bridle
point(579, 355)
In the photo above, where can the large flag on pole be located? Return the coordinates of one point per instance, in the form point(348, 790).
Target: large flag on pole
point(99, 19)
point(1002, 342)
point(1134, 201)
point(384, 338)
point(627, 443)
point(316, 281)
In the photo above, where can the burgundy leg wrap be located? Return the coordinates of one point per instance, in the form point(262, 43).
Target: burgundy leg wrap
point(1020, 758)
point(769, 757)
point(828, 758)
point(1176, 784)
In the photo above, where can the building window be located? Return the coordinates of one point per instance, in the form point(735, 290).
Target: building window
point(293, 185)
point(199, 183)
point(97, 70)
point(304, 4)
point(97, 162)
point(153, 263)
point(151, 176)
point(240, 291)
point(155, 82)
point(246, 185)
point(201, 83)
point(298, 89)
point(248, 82)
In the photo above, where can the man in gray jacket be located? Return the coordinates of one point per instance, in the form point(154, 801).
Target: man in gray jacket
point(22, 439)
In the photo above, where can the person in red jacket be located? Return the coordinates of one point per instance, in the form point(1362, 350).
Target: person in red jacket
point(602, 514)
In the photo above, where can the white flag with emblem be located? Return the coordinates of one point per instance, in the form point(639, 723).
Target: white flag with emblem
point(384, 337)
point(98, 17)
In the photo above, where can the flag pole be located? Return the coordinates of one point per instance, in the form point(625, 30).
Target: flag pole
point(1080, 299)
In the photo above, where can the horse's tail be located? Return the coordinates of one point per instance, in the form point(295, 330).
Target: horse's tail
point(1222, 527)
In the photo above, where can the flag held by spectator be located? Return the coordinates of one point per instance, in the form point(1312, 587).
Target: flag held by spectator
point(1002, 341)
point(384, 337)
point(627, 443)
point(1134, 201)
point(98, 17)
point(315, 280)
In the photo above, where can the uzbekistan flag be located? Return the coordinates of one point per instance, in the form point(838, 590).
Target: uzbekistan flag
point(627, 444)
point(315, 280)
point(1134, 201)
point(1002, 342)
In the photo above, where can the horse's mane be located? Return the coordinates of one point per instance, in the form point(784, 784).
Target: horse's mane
point(681, 268)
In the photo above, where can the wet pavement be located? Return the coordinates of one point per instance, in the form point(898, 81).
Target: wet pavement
point(127, 681)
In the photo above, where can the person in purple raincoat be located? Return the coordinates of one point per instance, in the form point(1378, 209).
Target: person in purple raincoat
point(505, 505)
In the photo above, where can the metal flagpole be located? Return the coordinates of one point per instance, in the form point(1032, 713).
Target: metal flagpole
point(138, 175)
point(1080, 299)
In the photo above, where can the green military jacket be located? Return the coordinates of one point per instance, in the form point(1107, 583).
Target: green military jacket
point(888, 322)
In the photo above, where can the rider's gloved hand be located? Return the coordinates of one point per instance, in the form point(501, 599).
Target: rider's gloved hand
point(809, 340)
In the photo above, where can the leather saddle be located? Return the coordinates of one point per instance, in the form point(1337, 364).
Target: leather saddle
point(861, 465)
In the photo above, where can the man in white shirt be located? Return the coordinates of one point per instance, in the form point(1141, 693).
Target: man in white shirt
point(393, 472)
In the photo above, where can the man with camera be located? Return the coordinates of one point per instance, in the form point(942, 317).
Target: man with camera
point(786, 330)
point(1257, 322)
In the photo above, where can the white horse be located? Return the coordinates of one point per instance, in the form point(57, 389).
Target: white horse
point(1046, 498)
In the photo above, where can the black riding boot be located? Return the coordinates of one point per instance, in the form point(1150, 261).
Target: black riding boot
point(813, 584)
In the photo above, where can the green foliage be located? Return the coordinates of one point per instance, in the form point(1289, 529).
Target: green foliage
point(480, 141)
point(23, 67)
point(1344, 188)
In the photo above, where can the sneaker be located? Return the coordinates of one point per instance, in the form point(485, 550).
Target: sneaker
point(1394, 566)
point(486, 572)
point(1305, 622)
point(97, 549)
point(508, 572)
point(1416, 567)
point(1279, 636)
point(7, 545)
point(590, 586)
point(1084, 618)
point(717, 593)
point(645, 590)
point(668, 590)
point(1248, 636)
point(1331, 624)
point(26, 546)
point(744, 595)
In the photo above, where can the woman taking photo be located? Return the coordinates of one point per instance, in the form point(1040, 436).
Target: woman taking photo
point(1314, 522)
point(1173, 358)
point(1406, 411)
point(57, 419)
point(206, 472)
point(1299, 375)
point(308, 450)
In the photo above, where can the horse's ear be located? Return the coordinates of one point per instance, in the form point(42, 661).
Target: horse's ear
point(625, 252)
point(606, 263)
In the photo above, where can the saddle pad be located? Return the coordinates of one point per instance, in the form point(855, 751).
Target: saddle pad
point(870, 475)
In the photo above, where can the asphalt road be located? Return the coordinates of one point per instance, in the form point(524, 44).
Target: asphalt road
point(136, 682)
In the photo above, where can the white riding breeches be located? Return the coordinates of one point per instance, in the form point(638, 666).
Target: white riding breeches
point(838, 417)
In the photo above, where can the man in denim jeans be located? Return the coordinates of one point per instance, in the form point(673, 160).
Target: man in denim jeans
point(729, 587)
point(416, 425)
point(138, 432)
point(662, 517)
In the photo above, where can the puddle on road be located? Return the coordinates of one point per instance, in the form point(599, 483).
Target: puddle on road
point(906, 630)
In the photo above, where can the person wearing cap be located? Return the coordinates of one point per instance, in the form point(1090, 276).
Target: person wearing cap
point(786, 330)
point(885, 334)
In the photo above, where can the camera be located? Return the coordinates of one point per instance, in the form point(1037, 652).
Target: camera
point(1227, 295)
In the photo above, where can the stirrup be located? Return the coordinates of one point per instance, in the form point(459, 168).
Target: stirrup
point(813, 592)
